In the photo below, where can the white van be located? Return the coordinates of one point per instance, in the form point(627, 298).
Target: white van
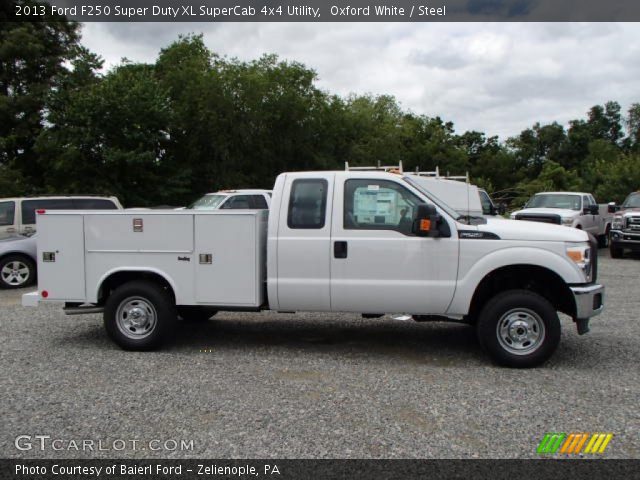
point(18, 214)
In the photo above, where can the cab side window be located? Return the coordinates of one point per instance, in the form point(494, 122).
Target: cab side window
point(307, 204)
point(7, 213)
point(487, 205)
point(379, 205)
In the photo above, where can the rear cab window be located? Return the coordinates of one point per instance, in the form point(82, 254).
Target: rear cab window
point(307, 204)
point(258, 202)
point(237, 202)
point(29, 207)
point(93, 204)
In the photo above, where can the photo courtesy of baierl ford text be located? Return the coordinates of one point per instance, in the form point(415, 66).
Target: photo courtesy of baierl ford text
point(328, 240)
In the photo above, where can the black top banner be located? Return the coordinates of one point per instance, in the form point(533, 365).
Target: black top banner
point(333, 10)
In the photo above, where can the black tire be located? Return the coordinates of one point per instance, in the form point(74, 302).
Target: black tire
point(196, 313)
point(15, 276)
point(616, 252)
point(603, 240)
point(515, 308)
point(151, 301)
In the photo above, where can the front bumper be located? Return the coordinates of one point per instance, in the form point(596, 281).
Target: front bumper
point(589, 303)
point(30, 299)
point(624, 239)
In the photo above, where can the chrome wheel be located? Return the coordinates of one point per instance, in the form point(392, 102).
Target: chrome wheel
point(15, 273)
point(136, 317)
point(520, 331)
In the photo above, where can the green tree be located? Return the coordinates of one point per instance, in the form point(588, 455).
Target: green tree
point(32, 58)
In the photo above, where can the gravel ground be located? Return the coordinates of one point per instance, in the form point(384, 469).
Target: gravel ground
point(314, 386)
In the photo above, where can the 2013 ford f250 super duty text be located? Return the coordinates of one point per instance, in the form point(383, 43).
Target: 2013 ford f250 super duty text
point(352, 241)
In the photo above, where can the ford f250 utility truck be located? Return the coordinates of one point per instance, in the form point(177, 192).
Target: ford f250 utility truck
point(625, 230)
point(577, 210)
point(369, 242)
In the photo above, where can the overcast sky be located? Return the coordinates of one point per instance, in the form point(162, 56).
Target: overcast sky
point(498, 78)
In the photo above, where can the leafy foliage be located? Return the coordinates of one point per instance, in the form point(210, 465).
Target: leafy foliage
point(194, 122)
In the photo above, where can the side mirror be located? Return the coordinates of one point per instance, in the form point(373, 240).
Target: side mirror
point(501, 208)
point(594, 209)
point(426, 222)
point(612, 207)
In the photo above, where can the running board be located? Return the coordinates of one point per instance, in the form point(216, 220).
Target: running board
point(82, 310)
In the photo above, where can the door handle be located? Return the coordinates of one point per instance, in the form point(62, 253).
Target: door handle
point(340, 249)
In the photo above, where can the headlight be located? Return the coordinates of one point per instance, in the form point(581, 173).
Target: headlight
point(512, 216)
point(580, 254)
point(618, 223)
point(568, 221)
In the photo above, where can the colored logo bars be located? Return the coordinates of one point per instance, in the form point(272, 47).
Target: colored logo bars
point(573, 443)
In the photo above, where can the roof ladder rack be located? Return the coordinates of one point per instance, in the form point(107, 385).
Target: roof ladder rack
point(381, 168)
point(436, 174)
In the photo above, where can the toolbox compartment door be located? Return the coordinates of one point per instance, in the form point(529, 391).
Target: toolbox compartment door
point(61, 243)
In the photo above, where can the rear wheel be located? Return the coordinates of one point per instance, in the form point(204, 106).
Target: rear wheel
point(195, 313)
point(616, 252)
point(139, 315)
point(519, 329)
point(17, 271)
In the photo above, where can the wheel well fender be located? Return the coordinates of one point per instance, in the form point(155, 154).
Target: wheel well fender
point(535, 278)
point(114, 278)
point(21, 253)
point(516, 258)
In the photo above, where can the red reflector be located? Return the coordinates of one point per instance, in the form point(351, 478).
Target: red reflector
point(44, 294)
point(41, 211)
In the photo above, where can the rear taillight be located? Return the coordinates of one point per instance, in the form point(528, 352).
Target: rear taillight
point(41, 211)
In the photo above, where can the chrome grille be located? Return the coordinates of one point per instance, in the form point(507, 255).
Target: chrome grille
point(556, 219)
point(633, 223)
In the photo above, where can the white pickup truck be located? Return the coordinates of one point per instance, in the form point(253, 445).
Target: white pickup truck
point(571, 209)
point(368, 242)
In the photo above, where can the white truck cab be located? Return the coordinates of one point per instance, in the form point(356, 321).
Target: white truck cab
point(372, 242)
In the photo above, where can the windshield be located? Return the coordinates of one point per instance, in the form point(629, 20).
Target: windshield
point(423, 186)
point(567, 202)
point(208, 202)
point(632, 201)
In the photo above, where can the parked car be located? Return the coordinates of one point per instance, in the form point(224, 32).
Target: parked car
point(625, 229)
point(234, 199)
point(18, 215)
point(571, 209)
point(18, 261)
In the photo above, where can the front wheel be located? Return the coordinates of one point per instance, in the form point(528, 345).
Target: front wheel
point(519, 329)
point(139, 315)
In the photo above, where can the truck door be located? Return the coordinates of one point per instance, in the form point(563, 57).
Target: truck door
point(303, 245)
point(377, 264)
